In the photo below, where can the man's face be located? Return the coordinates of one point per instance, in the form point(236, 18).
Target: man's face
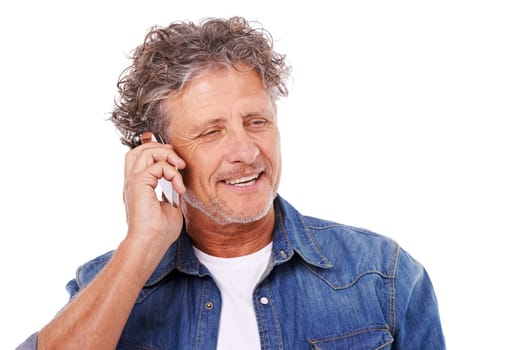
point(224, 126)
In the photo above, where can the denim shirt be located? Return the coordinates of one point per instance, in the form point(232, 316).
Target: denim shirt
point(328, 286)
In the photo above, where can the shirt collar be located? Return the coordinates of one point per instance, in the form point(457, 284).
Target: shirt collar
point(291, 236)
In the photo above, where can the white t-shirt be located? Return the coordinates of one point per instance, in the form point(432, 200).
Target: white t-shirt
point(236, 279)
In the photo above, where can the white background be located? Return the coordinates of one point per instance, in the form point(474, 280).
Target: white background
point(403, 118)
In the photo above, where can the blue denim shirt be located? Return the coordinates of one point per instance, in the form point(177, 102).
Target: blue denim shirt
point(328, 286)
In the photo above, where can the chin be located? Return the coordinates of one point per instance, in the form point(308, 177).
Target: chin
point(247, 217)
point(223, 214)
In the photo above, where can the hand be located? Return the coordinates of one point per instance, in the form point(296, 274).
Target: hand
point(149, 220)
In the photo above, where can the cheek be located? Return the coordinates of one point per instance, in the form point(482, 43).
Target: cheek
point(190, 153)
point(199, 168)
point(273, 151)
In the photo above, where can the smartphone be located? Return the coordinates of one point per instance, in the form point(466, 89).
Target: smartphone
point(165, 188)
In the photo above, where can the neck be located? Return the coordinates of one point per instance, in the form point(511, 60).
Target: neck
point(229, 240)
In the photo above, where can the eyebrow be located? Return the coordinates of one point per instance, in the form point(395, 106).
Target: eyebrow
point(263, 113)
point(196, 128)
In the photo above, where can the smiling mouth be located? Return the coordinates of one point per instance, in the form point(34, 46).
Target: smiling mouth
point(243, 181)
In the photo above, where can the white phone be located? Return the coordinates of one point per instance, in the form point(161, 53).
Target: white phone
point(165, 187)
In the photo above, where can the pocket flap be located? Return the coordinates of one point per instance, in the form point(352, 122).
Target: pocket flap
point(367, 338)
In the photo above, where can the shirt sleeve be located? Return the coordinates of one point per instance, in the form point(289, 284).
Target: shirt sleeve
point(416, 315)
point(30, 343)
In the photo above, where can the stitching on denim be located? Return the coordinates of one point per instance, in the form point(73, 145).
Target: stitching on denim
point(260, 320)
point(145, 292)
point(392, 292)
point(350, 284)
point(385, 344)
point(351, 334)
point(263, 332)
point(277, 322)
point(282, 227)
point(308, 235)
point(201, 310)
point(351, 228)
point(162, 275)
point(326, 226)
point(313, 242)
point(136, 345)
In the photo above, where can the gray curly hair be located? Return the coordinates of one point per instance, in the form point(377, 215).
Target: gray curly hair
point(172, 56)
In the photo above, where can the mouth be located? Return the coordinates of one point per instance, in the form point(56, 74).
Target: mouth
point(243, 181)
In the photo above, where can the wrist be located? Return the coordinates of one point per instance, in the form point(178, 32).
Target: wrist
point(140, 255)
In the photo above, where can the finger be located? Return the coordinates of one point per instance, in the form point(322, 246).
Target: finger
point(145, 155)
point(173, 175)
point(165, 170)
point(137, 153)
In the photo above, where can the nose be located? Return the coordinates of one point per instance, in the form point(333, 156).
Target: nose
point(241, 147)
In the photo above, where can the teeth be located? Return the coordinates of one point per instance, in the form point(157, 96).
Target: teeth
point(243, 180)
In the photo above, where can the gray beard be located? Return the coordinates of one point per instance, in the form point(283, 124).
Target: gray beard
point(217, 213)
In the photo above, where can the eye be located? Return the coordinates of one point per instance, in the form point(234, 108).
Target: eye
point(210, 133)
point(257, 122)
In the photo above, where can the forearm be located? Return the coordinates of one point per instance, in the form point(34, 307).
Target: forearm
point(97, 315)
point(95, 318)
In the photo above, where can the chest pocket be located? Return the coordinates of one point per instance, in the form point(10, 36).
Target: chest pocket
point(370, 338)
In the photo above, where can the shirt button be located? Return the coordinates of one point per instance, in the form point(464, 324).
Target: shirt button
point(283, 254)
point(264, 301)
point(208, 305)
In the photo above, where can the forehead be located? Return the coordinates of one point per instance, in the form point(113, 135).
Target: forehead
point(218, 94)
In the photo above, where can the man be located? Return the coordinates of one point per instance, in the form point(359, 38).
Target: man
point(235, 266)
